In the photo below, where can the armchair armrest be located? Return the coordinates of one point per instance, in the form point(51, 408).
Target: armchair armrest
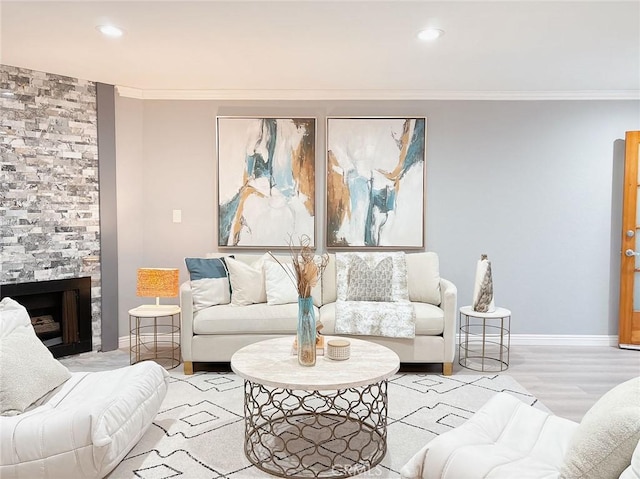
point(449, 305)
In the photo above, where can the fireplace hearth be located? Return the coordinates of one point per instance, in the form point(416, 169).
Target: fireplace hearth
point(60, 312)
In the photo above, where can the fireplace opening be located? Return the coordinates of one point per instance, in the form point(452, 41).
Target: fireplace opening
point(60, 312)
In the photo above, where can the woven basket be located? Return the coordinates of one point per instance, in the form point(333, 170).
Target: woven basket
point(338, 349)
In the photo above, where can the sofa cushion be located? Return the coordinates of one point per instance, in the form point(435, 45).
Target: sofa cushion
point(254, 318)
point(423, 271)
point(247, 281)
point(209, 280)
point(423, 278)
point(429, 319)
point(603, 444)
point(28, 370)
point(280, 284)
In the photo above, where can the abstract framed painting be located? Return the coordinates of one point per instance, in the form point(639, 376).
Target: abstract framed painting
point(266, 181)
point(375, 183)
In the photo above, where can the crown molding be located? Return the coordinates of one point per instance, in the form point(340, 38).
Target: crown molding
point(308, 95)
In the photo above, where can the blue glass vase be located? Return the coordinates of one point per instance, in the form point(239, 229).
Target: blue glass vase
point(306, 332)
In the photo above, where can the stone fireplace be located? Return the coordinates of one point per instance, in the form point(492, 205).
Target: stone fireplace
point(49, 207)
point(60, 312)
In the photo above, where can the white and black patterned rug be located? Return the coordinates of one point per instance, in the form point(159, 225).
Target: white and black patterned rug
point(199, 431)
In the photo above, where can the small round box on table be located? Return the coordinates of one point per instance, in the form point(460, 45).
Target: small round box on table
point(153, 338)
point(484, 339)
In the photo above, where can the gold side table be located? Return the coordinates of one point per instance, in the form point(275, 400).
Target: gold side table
point(153, 337)
point(484, 339)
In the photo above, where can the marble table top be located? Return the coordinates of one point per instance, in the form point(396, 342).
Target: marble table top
point(154, 310)
point(499, 313)
point(272, 363)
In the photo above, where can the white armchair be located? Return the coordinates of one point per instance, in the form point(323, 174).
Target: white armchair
point(81, 425)
point(508, 439)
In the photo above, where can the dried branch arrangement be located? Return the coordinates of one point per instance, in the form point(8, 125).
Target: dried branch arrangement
point(307, 266)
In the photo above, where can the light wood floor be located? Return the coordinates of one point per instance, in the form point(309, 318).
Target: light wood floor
point(568, 379)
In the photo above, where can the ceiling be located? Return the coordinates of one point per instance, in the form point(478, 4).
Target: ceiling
point(342, 49)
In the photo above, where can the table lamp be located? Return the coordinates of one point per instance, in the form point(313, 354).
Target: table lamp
point(158, 282)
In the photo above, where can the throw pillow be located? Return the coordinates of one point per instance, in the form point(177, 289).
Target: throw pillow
point(603, 443)
point(247, 281)
point(209, 282)
point(280, 284)
point(370, 283)
point(345, 261)
point(423, 271)
point(633, 471)
point(23, 356)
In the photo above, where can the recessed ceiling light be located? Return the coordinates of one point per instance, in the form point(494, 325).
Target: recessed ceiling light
point(8, 93)
point(110, 31)
point(430, 34)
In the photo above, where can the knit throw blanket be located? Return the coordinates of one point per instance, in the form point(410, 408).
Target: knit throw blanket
point(373, 296)
point(371, 318)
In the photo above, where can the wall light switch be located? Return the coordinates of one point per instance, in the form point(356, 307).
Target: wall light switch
point(177, 216)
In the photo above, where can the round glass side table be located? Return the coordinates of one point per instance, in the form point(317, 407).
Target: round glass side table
point(484, 339)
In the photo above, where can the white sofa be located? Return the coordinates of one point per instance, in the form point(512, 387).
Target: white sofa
point(84, 426)
point(214, 333)
point(509, 439)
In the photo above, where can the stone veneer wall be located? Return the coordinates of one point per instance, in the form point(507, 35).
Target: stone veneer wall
point(49, 209)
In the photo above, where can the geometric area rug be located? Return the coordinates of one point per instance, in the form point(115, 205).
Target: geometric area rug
point(199, 431)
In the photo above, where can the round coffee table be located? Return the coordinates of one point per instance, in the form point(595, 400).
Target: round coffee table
point(328, 420)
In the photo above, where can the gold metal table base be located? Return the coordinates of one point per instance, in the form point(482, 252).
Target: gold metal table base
point(302, 434)
point(153, 339)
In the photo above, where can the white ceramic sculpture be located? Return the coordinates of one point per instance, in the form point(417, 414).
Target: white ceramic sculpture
point(483, 288)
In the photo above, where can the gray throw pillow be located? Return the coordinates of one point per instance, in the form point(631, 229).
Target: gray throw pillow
point(602, 446)
point(370, 283)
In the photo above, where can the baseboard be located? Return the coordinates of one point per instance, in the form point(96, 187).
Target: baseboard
point(516, 340)
point(563, 340)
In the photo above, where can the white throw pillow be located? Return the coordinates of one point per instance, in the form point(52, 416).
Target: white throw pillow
point(247, 281)
point(633, 471)
point(343, 260)
point(280, 284)
point(423, 271)
point(603, 443)
point(28, 370)
point(209, 282)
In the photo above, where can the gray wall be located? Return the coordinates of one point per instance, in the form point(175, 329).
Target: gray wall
point(534, 184)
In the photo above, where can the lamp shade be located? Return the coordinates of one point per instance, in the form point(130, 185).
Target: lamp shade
point(158, 282)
